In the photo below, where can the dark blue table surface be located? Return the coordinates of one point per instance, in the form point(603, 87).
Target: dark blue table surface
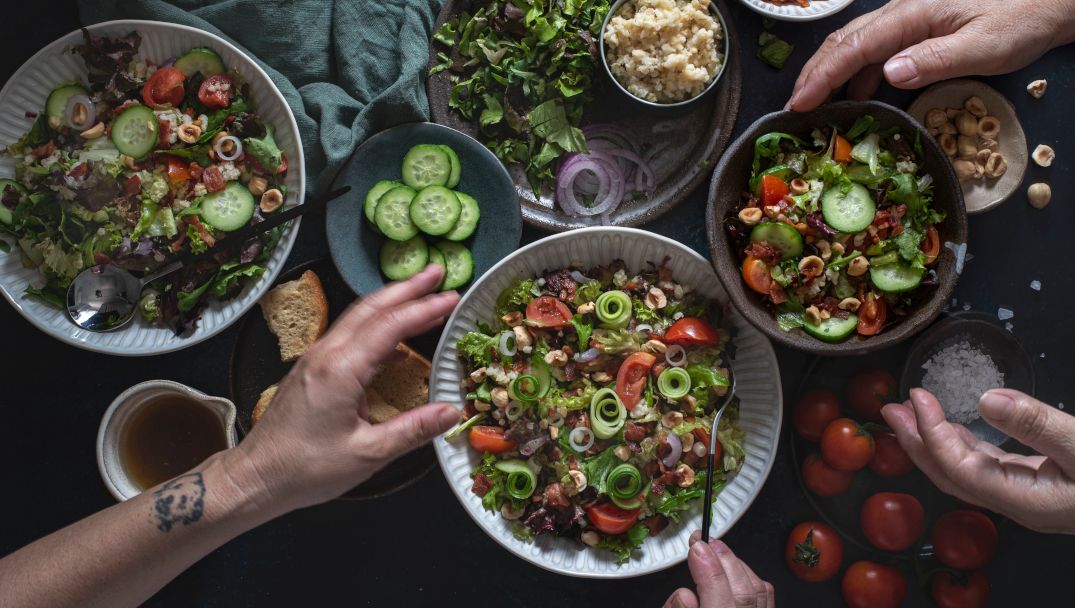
point(418, 547)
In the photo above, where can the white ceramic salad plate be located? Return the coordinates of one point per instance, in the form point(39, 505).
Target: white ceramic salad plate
point(27, 90)
point(758, 386)
point(818, 9)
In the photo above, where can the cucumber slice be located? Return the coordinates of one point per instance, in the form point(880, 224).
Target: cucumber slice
point(56, 105)
point(468, 218)
point(435, 210)
point(135, 131)
point(896, 278)
point(848, 212)
point(426, 165)
point(784, 238)
point(404, 259)
point(436, 257)
point(5, 211)
point(458, 262)
point(228, 209)
point(375, 193)
point(393, 215)
point(833, 329)
point(540, 370)
point(627, 505)
point(202, 60)
point(457, 169)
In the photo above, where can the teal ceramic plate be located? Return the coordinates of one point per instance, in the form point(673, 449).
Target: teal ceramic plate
point(355, 247)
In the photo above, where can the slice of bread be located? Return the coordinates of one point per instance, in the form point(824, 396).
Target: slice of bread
point(379, 410)
point(263, 402)
point(297, 313)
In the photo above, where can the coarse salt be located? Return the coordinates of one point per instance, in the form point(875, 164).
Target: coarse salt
point(957, 375)
point(1005, 313)
point(1035, 285)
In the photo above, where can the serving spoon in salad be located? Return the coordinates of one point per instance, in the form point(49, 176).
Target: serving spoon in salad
point(707, 502)
point(104, 297)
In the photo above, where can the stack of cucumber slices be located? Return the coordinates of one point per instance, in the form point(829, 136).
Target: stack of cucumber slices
point(421, 203)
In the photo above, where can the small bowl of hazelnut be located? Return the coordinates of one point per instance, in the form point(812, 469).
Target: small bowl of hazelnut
point(977, 128)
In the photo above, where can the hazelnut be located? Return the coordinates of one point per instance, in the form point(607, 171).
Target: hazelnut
point(813, 315)
point(1043, 155)
point(590, 538)
point(948, 129)
point(586, 308)
point(1039, 194)
point(556, 358)
point(953, 113)
point(271, 200)
point(837, 248)
point(499, 395)
point(257, 185)
point(654, 346)
point(985, 143)
point(672, 419)
point(1037, 88)
point(772, 211)
point(967, 124)
point(189, 133)
point(995, 166)
point(811, 266)
point(982, 157)
point(824, 249)
point(949, 144)
point(94, 132)
point(750, 215)
point(858, 267)
point(850, 304)
point(622, 452)
point(684, 476)
point(935, 118)
point(510, 513)
point(655, 298)
point(964, 169)
point(799, 186)
point(578, 478)
point(512, 318)
point(989, 127)
point(975, 106)
point(967, 146)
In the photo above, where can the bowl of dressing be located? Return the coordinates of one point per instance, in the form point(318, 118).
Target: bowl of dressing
point(157, 430)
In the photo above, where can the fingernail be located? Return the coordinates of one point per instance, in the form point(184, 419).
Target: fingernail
point(900, 69)
point(448, 416)
point(703, 552)
point(676, 603)
point(996, 406)
point(719, 547)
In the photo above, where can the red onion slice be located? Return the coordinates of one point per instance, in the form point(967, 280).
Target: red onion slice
point(677, 450)
point(507, 344)
point(587, 355)
point(69, 112)
point(237, 148)
point(675, 356)
point(644, 328)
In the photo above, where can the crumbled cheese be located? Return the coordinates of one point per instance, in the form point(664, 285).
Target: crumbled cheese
point(957, 375)
point(906, 166)
point(620, 278)
point(199, 189)
point(203, 121)
point(1035, 285)
point(180, 204)
point(228, 171)
point(1005, 313)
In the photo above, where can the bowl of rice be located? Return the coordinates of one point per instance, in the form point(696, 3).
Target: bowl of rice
point(664, 53)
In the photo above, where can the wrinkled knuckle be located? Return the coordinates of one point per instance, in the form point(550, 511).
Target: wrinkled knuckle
point(938, 56)
point(743, 599)
point(1034, 420)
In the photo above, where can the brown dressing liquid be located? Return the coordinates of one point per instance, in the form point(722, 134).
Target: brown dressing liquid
point(167, 437)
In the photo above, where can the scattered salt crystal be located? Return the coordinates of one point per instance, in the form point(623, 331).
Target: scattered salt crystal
point(1042, 355)
point(957, 375)
point(969, 257)
point(1060, 405)
point(966, 306)
point(1035, 285)
point(954, 302)
point(961, 254)
point(1005, 313)
point(1008, 326)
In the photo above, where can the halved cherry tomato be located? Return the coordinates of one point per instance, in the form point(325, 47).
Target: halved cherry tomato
point(823, 480)
point(631, 379)
point(842, 151)
point(960, 589)
point(931, 245)
point(814, 552)
point(177, 170)
point(610, 519)
point(756, 274)
point(547, 311)
point(892, 521)
point(871, 585)
point(164, 86)
point(773, 189)
point(216, 92)
point(965, 539)
point(490, 439)
point(846, 446)
point(691, 331)
point(889, 457)
point(872, 315)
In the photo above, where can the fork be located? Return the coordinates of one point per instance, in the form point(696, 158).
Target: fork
point(707, 508)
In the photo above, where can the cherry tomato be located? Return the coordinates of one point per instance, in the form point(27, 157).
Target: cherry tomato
point(178, 171)
point(631, 379)
point(889, 458)
point(871, 585)
point(773, 189)
point(756, 274)
point(814, 552)
point(872, 315)
point(813, 412)
point(892, 521)
point(823, 480)
point(691, 331)
point(846, 446)
point(164, 86)
point(547, 311)
point(869, 390)
point(842, 151)
point(964, 539)
point(931, 245)
point(490, 439)
point(960, 589)
point(216, 92)
point(610, 519)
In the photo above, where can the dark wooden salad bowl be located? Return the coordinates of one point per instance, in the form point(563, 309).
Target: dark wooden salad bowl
point(733, 173)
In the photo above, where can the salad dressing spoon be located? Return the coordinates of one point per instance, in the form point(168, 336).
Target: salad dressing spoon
point(103, 297)
point(707, 502)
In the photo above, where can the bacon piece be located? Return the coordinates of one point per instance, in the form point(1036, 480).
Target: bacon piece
point(764, 252)
point(132, 185)
point(655, 524)
point(634, 432)
point(45, 149)
point(554, 496)
point(481, 485)
point(213, 179)
point(203, 232)
point(777, 293)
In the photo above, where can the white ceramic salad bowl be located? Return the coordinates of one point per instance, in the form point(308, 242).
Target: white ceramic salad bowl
point(755, 366)
point(27, 90)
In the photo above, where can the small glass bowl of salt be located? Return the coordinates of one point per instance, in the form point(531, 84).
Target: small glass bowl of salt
point(962, 356)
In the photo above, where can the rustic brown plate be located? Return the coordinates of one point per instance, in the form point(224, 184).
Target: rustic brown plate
point(683, 142)
point(255, 365)
point(732, 175)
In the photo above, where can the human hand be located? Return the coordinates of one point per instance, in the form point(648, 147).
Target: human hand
point(723, 581)
point(316, 442)
point(1036, 491)
point(913, 43)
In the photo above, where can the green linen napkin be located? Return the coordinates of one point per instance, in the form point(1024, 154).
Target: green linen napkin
point(348, 69)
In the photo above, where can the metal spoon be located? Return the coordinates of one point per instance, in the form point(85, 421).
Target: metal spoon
point(103, 297)
point(707, 504)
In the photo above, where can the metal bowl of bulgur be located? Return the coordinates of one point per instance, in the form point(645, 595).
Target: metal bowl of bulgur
point(664, 53)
